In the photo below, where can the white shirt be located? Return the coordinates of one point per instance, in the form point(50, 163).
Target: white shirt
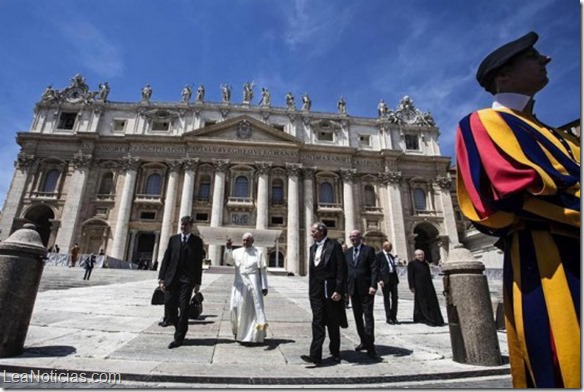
point(388, 257)
point(319, 249)
point(511, 100)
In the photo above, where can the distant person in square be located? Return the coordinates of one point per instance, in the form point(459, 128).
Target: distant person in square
point(250, 285)
point(426, 306)
point(518, 179)
point(74, 254)
point(89, 264)
point(180, 274)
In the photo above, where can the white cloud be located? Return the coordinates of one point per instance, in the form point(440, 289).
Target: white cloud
point(93, 48)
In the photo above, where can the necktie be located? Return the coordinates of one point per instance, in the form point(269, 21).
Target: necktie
point(355, 255)
point(184, 239)
point(391, 262)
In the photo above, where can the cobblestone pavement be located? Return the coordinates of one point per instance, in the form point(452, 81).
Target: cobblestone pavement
point(108, 325)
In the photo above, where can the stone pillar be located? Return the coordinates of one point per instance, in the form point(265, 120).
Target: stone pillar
point(21, 268)
point(470, 314)
point(445, 201)
point(130, 165)
point(262, 201)
point(70, 215)
point(132, 243)
point(156, 246)
point(293, 226)
point(394, 209)
point(186, 201)
point(348, 202)
point(23, 165)
point(169, 207)
point(308, 214)
point(221, 166)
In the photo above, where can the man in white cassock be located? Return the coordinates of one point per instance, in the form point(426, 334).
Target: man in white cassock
point(248, 319)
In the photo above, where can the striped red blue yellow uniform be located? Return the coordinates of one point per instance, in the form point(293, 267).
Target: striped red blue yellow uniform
point(520, 180)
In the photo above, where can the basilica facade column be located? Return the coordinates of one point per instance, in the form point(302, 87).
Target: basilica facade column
point(169, 207)
point(72, 207)
point(23, 164)
point(262, 203)
point(348, 202)
point(445, 201)
point(293, 226)
point(396, 226)
point(308, 213)
point(221, 166)
point(186, 201)
point(130, 164)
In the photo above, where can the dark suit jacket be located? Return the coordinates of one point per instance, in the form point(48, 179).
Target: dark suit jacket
point(384, 274)
point(331, 269)
point(364, 274)
point(193, 254)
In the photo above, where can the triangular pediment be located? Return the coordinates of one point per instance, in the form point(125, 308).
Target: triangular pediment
point(243, 129)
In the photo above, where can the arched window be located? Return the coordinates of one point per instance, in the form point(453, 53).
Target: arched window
point(370, 198)
point(326, 193)
point(51, 180)
point(241, 187)
point(153, 185)
point(419, 199)
point(205, 187)
point(107, 184)
point(277, 191)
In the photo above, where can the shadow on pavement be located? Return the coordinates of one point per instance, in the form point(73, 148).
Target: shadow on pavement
point(49, 351)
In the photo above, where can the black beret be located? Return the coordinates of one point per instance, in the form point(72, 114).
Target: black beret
point(500, 57)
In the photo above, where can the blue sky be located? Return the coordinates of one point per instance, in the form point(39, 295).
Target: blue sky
point(364, 50)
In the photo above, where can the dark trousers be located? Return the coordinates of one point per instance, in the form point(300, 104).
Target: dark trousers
point(324, 315)
point(178, 297)
point(363, 312)
point(87, 273)
point(390, 301)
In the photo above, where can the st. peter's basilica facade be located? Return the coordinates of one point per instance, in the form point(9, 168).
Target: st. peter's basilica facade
point(118, 176)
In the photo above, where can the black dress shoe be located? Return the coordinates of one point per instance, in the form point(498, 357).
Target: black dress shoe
point(395, 321)
point(390, 322)
point(309, 359)
point(360, 347)
point(175, 343)
point(164, 323)
point(337, 358)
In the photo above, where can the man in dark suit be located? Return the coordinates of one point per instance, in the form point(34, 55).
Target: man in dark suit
point(180, 273)
point(388, 280)
point(361, 286)
point(327, 274)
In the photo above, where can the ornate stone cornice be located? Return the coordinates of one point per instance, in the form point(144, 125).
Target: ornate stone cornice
point(221, 165)
point(263, 167)
point(348, 175)
point(444, 182)
point(81, 160)
point(190, 164)
point(293, 169)
point(24, 161)
point(130, 162)
point(391, 177)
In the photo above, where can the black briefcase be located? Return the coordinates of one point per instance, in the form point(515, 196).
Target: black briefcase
point(196, 307)
point(157, 297)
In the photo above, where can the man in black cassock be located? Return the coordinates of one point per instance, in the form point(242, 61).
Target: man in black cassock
point(426, 307)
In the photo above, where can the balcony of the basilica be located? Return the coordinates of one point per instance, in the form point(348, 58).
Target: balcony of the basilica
point(44, 195)
point(372, 210)
point(148, 199)
point(330, 207)
point(233, 201)
point(105, 197)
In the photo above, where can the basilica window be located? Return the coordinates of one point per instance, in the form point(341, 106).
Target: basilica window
point(325, 136)
point(204, 188)
point(160, 125)
point(107, 184)
point(67, 120)
point(51, 181)
point(153, 185)
point(420, 199)
point(277, 192)
point(365, 140)
point(326, 194)
point(119, 125)
point(241, 187)
point(412, 142)
point(370, 198)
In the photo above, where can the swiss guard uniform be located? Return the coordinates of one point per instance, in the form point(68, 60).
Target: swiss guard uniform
point(519, 179)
